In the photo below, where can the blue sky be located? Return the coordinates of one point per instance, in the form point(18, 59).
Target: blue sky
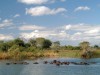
point(70, 21)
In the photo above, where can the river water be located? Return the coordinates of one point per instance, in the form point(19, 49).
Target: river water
point(48, 69)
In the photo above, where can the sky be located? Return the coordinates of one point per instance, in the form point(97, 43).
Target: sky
point(69, 21)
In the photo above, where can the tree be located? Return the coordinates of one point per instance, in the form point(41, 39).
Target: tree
point(27, 45)
point(17, 48)
point(47, 43)
point(1, 41)
point(19, 42)
point(55, 45)
point(32, 42)
point(96, 46)
point(39, 42)
point(85, 47)
point(69, 47)
point(4, 47)
point(10, 43)
point(43, 43)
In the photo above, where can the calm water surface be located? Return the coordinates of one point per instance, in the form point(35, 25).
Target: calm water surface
point(48, 69)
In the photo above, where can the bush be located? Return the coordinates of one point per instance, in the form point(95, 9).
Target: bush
point(18, 48)
point(31, 49)
point(87, 54)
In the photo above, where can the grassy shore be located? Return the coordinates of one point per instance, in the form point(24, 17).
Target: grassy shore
point(45, 53)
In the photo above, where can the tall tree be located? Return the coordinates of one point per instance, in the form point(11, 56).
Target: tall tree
point(39, 42)
point(55, 45)
point(19, 42)
point(96, 46)
point(43, 43)
point(86, 51)
point(85, 45)
point(47, 43)
point(4, 47)
point(32, 42)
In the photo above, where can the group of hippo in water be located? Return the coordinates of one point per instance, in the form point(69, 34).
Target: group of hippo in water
point(58, 63)
point(25, 63)
point(55, 62)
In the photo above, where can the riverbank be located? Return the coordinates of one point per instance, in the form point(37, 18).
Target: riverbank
point(45, 53)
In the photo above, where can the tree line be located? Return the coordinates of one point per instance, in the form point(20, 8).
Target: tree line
point(41, 47)
point(39, 44)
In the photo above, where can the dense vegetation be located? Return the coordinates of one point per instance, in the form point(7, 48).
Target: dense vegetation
point(41, 47)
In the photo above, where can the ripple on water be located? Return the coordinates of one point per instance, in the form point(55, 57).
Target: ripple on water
point(48, 69)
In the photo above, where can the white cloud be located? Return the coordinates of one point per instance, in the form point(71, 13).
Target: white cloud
point(84, 32)
point(17, 15)
point(39, 2)
point(77, 27)
point(6, 37)
point(82, 8)
point(68, 27)
point(49, 33)
point(71, 32)
point(31, 27)
point(36, 31)
point(43, 10)
point(6, 23)
point(93, 31)
point(78, 31)
point(33, 35)
point(33, 1)
point(46, 34)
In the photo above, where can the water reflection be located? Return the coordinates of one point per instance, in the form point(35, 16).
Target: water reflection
point(48, 69)
point(11, 69)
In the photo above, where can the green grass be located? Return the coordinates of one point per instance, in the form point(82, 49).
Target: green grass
point(69, 53)
point(96, 54)
point(46, 53)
